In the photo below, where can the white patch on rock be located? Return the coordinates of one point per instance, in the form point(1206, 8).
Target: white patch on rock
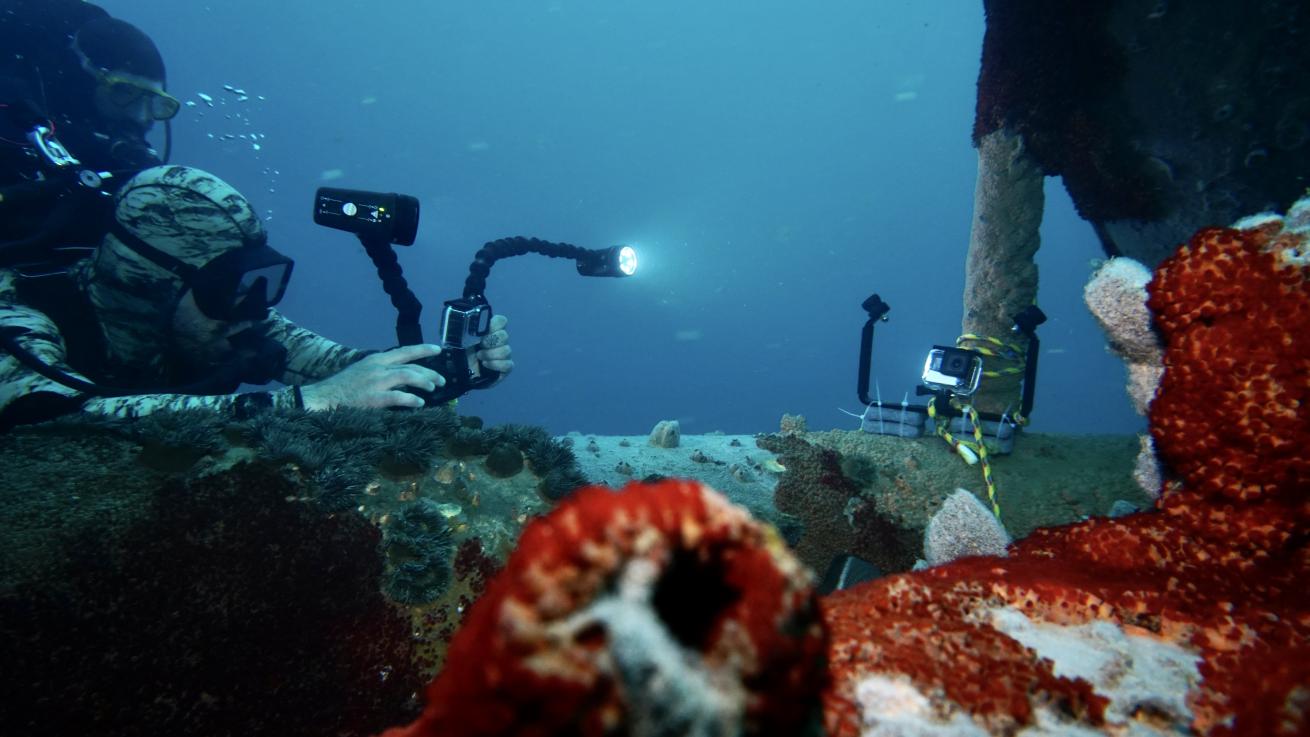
point(1139, 673)
point(1146, 679)
point(1259, 220)
point(891, 706)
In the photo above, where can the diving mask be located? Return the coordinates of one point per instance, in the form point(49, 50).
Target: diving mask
point(124, 91)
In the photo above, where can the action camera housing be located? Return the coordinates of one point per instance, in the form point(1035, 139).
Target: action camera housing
point(954, 370)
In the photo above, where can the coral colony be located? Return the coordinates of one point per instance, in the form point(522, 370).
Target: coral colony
point(1235, 313)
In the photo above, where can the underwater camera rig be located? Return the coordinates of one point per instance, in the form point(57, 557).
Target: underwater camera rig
point(383, 219)
point(951, 376)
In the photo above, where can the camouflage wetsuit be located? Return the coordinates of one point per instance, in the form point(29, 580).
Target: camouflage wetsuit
point(194, 216)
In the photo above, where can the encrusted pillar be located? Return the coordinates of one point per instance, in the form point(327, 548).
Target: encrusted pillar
point(1000, 274)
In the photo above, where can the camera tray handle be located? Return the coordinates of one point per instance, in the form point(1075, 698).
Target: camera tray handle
point(877, 310)
point(1025, 323)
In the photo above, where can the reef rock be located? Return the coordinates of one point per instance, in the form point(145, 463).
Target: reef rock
point(666, 434)
point(964, 526)
point(223, 605)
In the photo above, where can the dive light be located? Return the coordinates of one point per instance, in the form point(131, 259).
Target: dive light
point(612, 261)
point(382, 216)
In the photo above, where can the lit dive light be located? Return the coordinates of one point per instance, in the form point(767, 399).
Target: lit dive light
point(628, 260)
point(612, 261)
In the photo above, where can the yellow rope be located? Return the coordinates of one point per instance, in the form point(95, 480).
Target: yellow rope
point(1008, 354)
point(971, 452)
point(1006, 359)
point(994, 348)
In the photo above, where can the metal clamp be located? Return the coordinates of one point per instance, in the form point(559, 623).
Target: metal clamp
point(50, 149)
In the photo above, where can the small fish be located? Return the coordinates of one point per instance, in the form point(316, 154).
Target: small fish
point(773, 466)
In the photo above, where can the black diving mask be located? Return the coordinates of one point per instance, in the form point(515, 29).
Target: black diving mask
point(237, 285)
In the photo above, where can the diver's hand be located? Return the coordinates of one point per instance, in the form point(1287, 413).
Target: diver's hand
point(375, 381)
point(494, 351)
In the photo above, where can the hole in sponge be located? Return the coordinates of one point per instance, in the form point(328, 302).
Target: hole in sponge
point(691, 596)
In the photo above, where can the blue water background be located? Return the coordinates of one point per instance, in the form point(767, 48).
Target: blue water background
point(775, 162)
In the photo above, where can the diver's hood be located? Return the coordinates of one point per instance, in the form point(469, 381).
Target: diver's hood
point(185, 212)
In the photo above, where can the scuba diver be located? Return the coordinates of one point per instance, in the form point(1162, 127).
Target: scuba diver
point(79, 92)
point(173, 311)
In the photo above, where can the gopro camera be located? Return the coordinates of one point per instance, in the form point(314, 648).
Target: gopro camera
point(382, 216)
point(954, 370)
point(464, 323)
point(465, 319)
